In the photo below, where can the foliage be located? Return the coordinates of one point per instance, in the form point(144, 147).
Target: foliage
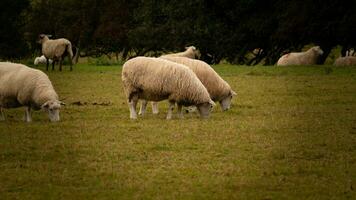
point(223, 29)
point(12, 43)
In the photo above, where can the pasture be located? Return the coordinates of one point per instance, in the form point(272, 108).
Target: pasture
point(291, 134)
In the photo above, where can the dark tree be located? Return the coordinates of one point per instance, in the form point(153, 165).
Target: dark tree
point(223, 29)
point(12, 43)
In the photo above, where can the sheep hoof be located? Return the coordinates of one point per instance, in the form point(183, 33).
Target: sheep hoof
point(133, 117)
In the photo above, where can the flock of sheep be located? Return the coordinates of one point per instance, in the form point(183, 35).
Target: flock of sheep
point(311, 56)
point(179, 78)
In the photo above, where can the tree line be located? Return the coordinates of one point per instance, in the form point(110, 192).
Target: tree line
point(224, 29)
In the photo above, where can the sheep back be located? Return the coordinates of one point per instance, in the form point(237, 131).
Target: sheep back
point(156, 79)
point(217, 87)
point(54, 49)
point(309, 57)
point(345, 61)
point(190, 52)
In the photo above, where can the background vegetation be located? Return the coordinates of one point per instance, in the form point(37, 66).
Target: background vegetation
point(221, 29)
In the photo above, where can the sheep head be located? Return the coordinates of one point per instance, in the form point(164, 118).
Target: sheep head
point(225, 103)
point(42, 38)
point(194, 50)
point(205, 108)
point(318, 50)
point(191, 47)
point(52, 107)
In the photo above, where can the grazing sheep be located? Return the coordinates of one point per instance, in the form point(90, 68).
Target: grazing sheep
point(345, 61)
point(42, 60)
point(190, 52)
point(56, 50)
point(309, 57)
point(156, 79)
point(219, 90)
point(24, 86)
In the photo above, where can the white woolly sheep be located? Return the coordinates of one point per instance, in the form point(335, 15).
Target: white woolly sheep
point(219, 90)
point(24, 86)
point(309, 57)
point(345, 61)
point(156, 79)
point(190, 52)
point(42, 60)
point(56, 50)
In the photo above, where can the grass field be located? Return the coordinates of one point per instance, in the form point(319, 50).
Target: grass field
point(291, 134)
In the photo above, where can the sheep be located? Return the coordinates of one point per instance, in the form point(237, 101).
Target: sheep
point(56, 50)
point(42, 60)
point(219, 90)
point(190, 52)
point(24, 86)
point(345, 61)
point(156, 79)
point(309, 57)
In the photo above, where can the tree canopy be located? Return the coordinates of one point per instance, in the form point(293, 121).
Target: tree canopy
point(223, 29)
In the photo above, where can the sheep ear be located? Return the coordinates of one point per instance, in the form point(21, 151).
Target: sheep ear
point(233, 93)
point(62, 103)
point(45, 105)
point(211, 102)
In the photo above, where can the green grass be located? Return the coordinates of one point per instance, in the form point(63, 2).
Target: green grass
point(291, 134)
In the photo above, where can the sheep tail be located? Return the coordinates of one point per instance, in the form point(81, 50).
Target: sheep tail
point(76, 54)
point(69, 51)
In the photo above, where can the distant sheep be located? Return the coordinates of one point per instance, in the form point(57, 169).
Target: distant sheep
point(190, 52)
point(219, 90)
point(345, 61)
point(56, 50)
point(309, 57)
point(156, 79)
point(41, 60)
point(24, 86)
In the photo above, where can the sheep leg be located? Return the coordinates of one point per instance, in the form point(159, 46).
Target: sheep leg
point(143, 107)
point(132, 105)
point(60, 64)
point(70, 63)
point(180, 111)
point(47, 64)
point(170, 109)
point(154, 105)
point(2, 117)
point(27, 117)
